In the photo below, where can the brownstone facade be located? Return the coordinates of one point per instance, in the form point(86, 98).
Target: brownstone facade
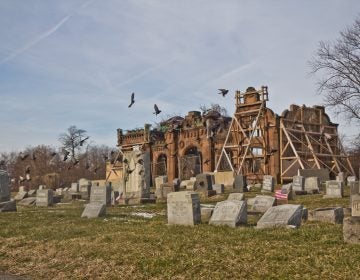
point(254, 142)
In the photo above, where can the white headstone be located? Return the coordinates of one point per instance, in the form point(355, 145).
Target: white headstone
point(312, 184)
point(334, 189)
point(229, 212)
point(101, 195)
point(268, 183)
point(183, 208)
point(298, 183)
point(44, 197)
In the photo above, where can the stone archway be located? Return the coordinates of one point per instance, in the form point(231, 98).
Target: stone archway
point(190, 163)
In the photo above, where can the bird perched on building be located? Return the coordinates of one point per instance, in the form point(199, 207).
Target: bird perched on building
point(223, 91)
point(206, 161)
point(132, 99)
point(83, 140)
point(157, 111)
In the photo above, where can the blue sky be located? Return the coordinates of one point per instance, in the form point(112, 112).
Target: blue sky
point(77, 62)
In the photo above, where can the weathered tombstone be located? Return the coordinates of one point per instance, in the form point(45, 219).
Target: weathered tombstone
point(27, 201)
point(44, 197)
point(8, 206)
point(281, 216)
point(74, 187)
point(84, 188)
point(20, 195)
point(312, 185)
point(206, 213)
point(268, 183)
point(219, 188)
point(350, 179)
point(203, 182)
point(351, 230)
point(162, 192)
point(101, 195)
point(4, 186)
point(334, 189)
point(340, 177)
point(334, 215)
point(240, 183)
point(355, 205)
point(322, 174)
point(42, 187)
point(225, 177)
point(190, 185)
point(160, 180)
point(262, 203)
point(298, 183)
point(229, 212)
point(32, 193)
point(354, 187)
point(94, 210)
point(183, 208)
point(236, 196)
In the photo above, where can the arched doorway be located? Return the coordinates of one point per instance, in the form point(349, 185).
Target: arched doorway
point(160, 168)
point(190, 163)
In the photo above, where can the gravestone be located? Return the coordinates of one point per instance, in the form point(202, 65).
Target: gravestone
point(20, 195)
point(268, 183)
point(206, 213)
point(190, 185)
point(354, 187)
point(350, 179)
point(218, 188)
point(137, 178)
point(262, 203)
point(236, 196)
point(298, 183)
point(94, 210)
point(312, 185)
point(44, 197)
point(27, 201)
point(101, 195)
point(334, 215)
point(340, 177)
point(225, 177)
point(322, 174)
point(203, 182)
point(160, 180)
point(8, 206)
point(281, 216)
point(114, 196)
point(4, 186)
point(84, 188)
point(334, 189)
point(162, 192)
point(355, 205)
point(74, 187)
point(32, 193)
point(351, 230)
point(231, 213)
point(240, 183)
point(42, 187)
point(183, 208)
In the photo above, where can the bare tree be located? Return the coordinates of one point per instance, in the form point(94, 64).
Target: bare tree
point(73, 141)
point(338, 63)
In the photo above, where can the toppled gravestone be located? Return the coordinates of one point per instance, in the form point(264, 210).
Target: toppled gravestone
point(231, 213)
point(286, 215)
point(27, 201)
point(94, 210)
point(262, 203)
point(236, 196)
point(8, 206)
point(334, 215)
point(183, 208)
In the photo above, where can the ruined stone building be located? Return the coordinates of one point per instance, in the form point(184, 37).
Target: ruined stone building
point(254, 141)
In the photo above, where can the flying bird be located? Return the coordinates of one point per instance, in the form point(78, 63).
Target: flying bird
point(83, 140)
point(223, 91)
point(157, 111)
point(132, 99)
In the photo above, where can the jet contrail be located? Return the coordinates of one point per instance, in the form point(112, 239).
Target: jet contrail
point(42, 36)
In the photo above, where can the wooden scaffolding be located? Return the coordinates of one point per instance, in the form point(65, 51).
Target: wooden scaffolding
point(244, 148)
point(308, 140)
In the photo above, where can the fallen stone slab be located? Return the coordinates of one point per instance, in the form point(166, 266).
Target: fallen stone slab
point(29, 201)
point(286, 215)
point(334, 215)
point(8, 206)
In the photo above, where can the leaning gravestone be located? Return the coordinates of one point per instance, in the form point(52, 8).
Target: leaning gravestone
point(236, 196)
point(312, 185)
point(281, 216)
point(298, 183)
point(240, 183)
point(21, 195)
point(94, 210)
point(334, 189)
point(4, 186)
point(101, 195)
point(334, 215)
point(27, 201)
point(262, 203)
point(183, 208)
point(268, 183)
point(159, 180)
point(44, 197)
point(231, 213)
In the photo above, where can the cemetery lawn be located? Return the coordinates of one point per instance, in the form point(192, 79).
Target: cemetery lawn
point(55, 243)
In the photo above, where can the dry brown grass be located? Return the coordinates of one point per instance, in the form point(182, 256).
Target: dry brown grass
point(55, 243)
